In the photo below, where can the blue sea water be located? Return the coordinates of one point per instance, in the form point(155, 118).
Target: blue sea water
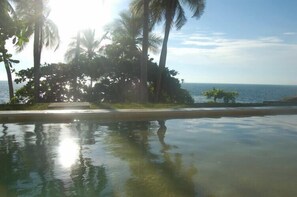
point(247, 93)
point(4, 93)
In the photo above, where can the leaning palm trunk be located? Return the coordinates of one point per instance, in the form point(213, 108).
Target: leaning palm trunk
point(143, 75)
point(174, 15)
point(9, 78)
point(163, 56)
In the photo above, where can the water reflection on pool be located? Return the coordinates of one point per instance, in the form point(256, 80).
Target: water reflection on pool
point(253, 156)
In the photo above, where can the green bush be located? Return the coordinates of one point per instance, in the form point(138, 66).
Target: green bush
point(221, 94)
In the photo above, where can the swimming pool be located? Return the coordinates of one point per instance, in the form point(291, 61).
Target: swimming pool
point(247, 156)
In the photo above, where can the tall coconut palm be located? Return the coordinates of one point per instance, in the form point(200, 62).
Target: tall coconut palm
point(173, 13)
point(86, 45)
point(9, 28)
point(6, 31)
point(132, 31)
point(35, 14)
point(128, 32)
point(89, 46)
point(145, 45)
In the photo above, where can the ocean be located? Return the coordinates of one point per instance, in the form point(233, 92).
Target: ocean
point(4, 93)
point(247, 93)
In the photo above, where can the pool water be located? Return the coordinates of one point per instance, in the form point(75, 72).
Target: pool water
point(252, 156)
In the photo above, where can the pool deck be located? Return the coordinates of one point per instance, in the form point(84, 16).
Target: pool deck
point(70, 115)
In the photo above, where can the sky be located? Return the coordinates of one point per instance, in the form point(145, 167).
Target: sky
point(234, 41)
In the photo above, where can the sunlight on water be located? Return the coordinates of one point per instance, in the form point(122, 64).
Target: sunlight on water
point(251, 156)
point(68, 152)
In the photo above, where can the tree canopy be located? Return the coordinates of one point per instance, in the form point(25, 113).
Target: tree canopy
point(119, 71)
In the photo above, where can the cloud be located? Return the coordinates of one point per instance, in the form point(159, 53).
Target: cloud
point(218, 48)
point(218, 34)
point(290, 33)
point(258, 60)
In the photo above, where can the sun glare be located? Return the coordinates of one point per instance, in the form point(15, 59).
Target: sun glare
point(73, 15)
point(68, 153)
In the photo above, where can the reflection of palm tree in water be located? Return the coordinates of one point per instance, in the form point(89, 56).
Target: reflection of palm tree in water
point(161, 134)
point(8, 163)
point(173, 166)
point(43, 160)
point(152, 174)
point(4, 129)
point(29, 169)
point(89, 180)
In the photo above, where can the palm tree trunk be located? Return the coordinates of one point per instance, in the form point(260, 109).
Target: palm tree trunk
point(77, 53)
point(163, 56)
point(37, 48)
point(143, 72)
point(37, 57)
point(9, 79)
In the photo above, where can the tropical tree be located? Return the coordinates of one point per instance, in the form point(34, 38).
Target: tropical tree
point(88, 45)
point(8, 66)
point(10, 28)
point(6, 31)
point(132, 32)
point(221, 94)
point(145, 44)
point(127, 31)
point(85, 46)
point(173, 13)
point(34, 14)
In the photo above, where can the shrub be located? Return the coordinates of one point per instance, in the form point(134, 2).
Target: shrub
point(221, 94)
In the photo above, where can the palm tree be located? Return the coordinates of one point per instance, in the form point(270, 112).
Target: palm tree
point(5, 33)
point(35, 14)
point(9, 28)
point(89, 46)
point(145, 44)
point(173, 13)
point(128, 32)
point(131, 31)
point(85, 45)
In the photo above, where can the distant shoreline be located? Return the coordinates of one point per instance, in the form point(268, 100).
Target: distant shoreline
point(253, 84)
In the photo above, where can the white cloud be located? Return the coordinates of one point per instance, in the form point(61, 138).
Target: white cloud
point(259, 60)
point(290, 33)
point(218, 34)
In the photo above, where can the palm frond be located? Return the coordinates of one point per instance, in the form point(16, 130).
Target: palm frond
point(51, 36)
point(154, 43)
point(196, 6)
point(70, 54)
point(180, 16)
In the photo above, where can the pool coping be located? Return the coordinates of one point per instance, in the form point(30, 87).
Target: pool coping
point(69, 115)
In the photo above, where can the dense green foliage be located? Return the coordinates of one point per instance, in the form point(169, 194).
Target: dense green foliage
point(116, 74)
point(34, 15)
point(221, 94)
point(10, 28)
point(117, 80)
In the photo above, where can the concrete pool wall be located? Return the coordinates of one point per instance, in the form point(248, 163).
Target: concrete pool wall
point(139, 114)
